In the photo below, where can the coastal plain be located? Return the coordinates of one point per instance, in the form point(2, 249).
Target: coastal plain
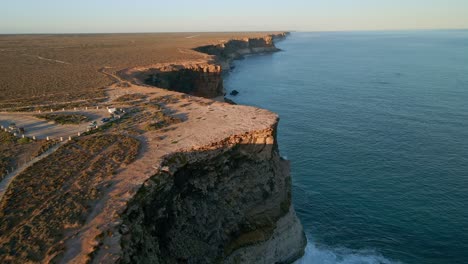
point(39, 69)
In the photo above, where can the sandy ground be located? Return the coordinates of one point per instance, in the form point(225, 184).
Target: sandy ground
point(41, 128)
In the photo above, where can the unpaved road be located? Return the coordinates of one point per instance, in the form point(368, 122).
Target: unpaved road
point(41, 128)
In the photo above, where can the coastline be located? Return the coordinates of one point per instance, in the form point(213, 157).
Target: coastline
point(278, 246)
point(289, 227)
point(318, 180)
point(219, 158)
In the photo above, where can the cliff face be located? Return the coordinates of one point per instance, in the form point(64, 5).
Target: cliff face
point(237, 48)
point(201, 79)
point(227, 203)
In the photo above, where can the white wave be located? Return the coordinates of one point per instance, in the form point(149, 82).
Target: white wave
point(325, 255)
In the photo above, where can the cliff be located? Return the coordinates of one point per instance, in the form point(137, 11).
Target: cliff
point(201, 78)
point(194, 78)
point(209, 188)
point(228, 51)
point(229, 202)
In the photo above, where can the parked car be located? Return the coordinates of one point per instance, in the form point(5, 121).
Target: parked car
point(105, 120)
point(92, 124)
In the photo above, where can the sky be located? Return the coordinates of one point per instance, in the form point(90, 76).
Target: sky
point(109, 16)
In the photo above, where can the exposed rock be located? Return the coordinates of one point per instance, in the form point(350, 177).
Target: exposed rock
point(288, 233)
point(228, 203)
point(234, 92)
point(226, 52)
point(201, 78)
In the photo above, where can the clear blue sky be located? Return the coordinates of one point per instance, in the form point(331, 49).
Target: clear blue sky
point(64, 16)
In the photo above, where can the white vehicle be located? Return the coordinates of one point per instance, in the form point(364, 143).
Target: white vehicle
point(92, 125)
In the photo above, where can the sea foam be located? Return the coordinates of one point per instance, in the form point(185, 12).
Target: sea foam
point(326, 255)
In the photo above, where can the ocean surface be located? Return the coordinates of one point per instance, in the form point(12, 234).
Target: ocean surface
point(375, 125)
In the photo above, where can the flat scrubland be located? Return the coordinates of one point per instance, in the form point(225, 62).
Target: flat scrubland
point(16, 151)
point(40, 69)
point(54, 199)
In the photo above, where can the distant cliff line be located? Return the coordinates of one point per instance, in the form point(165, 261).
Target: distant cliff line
point(202, 78)
point(233, 49)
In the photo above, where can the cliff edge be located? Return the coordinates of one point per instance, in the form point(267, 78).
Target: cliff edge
point(227, 202)
point(201, 77)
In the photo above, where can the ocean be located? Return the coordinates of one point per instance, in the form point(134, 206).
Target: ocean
point(375, 125)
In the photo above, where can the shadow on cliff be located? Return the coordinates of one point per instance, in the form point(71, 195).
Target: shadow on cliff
point(206, 206)
point(189, 81)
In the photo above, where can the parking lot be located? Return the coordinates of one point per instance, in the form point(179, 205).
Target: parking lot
point(40, 128)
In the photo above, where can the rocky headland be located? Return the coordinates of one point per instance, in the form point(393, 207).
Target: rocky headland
point(209, 188)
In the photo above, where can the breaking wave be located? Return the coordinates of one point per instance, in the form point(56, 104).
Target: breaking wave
point(325, 255)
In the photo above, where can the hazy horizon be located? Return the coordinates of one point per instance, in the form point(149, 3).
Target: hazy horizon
point(145, 16)
point(246, 31)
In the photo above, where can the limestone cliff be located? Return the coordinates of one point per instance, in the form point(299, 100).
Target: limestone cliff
point(229, 202)
point(198, 79)
point(201, 78)
point(231, 50)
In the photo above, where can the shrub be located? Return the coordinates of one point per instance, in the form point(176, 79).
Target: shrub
point(56, 194)
point(63, 119)
point(24, 140)
point(160, 120)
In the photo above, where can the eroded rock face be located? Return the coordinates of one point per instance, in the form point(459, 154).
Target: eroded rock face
point(228, 203)
point(231, 50)
point(202, 80)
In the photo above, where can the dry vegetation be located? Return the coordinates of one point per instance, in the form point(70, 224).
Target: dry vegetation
point(38, 69)
point(16, 151)
point(131, 99)
point(160, 120)
point(56, 195)
point(64, 119)
point(47, 103)
point(150, 116)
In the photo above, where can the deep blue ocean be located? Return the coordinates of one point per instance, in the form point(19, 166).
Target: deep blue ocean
point(375, 125)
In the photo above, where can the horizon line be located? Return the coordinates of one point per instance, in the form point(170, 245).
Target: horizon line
point(235, 31)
